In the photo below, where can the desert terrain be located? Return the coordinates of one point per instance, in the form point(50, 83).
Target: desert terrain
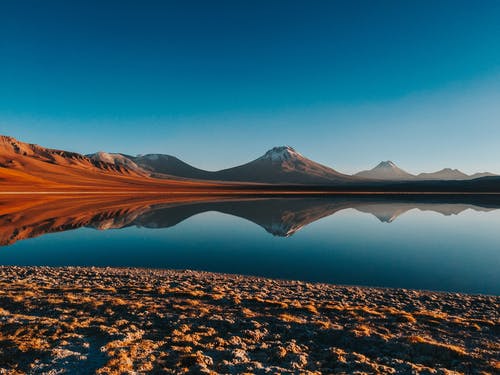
point(129, 321)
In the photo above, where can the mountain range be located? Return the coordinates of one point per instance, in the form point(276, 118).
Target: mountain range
point(387, 170)
point(278, 165)
point(25, 165)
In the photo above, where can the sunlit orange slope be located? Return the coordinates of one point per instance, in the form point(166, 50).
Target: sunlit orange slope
point(29, 168)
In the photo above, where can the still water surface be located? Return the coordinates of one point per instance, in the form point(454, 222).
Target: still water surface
point(452, 245)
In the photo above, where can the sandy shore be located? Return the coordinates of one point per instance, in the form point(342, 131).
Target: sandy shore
point(124, 321)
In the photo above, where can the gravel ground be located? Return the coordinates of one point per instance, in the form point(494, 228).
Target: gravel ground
point(132, 321)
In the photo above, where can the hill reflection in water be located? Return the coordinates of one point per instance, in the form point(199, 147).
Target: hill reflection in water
point(22, 218)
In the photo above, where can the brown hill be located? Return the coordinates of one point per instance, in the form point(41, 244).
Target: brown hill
point(29, 167)
point(284, 165)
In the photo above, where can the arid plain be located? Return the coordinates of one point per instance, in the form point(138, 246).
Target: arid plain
point(125, 321)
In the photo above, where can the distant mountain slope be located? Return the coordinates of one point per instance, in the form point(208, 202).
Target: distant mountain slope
point(452, 174)
point(169, 165)
point(443, 174)
point(482, 174)
point(389, 171)
point(283, 165)
point(386, 170)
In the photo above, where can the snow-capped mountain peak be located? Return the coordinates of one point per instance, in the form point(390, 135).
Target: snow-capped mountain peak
point(386, 170)
point(386, 164)
point(281, 153)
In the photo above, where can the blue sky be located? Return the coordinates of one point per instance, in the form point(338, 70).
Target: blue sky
point(347, 83)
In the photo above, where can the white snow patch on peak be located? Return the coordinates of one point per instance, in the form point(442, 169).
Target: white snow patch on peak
point(386, 164)
point(281, 153)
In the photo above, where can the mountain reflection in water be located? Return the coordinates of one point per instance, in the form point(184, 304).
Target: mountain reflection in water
point(22, 218)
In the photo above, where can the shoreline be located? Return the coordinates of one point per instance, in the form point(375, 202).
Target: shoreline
point(228, 275)
point(129, 320)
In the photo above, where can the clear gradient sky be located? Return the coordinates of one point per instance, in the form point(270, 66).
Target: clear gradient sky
point(217, 83)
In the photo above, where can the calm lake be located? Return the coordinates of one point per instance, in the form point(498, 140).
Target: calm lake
point(434, 243)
